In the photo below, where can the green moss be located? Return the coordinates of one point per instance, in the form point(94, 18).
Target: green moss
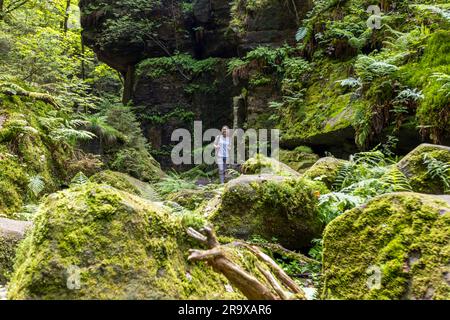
point(416, 170)
point(193, 199)
point(262, 164)
point(432, 112)
point(326, 106)
point(325, 170)
point(8, 245)
point(26, 150)
point(405, 235)
point(270, 207)
point(299, 159)
point(126, 183)
point(124, 246)
point(159, 67)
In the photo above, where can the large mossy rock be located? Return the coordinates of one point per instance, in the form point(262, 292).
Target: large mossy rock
point(415, 167)
point(126, 183)
point(11, 233)
point(270, 207)
point(299, 159)
point(325, 170)
point(265, 165)
point(27, 151)
point(96, 242)
point(405, 236)
point(193, 199)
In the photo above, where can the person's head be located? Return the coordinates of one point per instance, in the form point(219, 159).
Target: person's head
point(225, 130)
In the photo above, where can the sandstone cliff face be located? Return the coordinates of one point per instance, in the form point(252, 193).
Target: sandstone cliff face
point(226, 62)
point(169, 93)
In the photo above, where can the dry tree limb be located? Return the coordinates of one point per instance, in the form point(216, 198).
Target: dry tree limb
point(285, 279)
point(251, 287)
point(12, 89)
point(248, 284)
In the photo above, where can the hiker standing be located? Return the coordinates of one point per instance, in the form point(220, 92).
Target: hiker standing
point(222, 145)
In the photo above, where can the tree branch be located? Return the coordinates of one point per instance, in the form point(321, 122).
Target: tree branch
point(14, 90)
point(268, 288)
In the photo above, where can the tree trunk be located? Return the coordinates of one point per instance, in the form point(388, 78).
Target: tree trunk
point(1, 9)
point(83, 64)
point(66, 16)
point(128, 84)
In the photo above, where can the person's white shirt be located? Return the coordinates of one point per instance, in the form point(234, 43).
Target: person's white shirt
point(223, 144)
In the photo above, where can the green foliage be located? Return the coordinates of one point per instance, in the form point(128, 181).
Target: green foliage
point(366, 175)
point(173, 183)
point(178, 113)
point(180, 62)
point(79, 179)
point(27, 212)
point(301, 34)
point(126, 21)
point(36, 185)
point(124, 147)
point(316, 252)
point(334, 204)
point(98, 125)
point(437, 169)
point(368, 68)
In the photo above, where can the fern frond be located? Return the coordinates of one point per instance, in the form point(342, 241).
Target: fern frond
point(79, 179)
point(36, 184)
point(437, 169)
point(396, 180)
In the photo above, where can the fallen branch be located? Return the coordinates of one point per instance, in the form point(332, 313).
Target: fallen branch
point(11, 89)
point(274, 284)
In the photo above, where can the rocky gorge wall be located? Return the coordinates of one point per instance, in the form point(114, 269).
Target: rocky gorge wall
point(238, 62)
point(171, 89)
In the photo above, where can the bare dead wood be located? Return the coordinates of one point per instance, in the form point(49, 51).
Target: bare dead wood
point(14, 90)
point(247, 283)
point(274, 283)
point(286, 280)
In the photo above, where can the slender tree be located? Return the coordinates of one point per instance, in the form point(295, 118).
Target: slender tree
point(66, 16)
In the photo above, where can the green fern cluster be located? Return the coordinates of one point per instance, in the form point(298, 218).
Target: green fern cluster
point(173, 183)
point(366, 175)
point(437, 169)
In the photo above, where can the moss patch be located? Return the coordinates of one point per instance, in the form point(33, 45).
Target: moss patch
point(325, 170)
point(126, 183)
point(405, 235)
point(299, 159)
point(26, 150)
point(123, 246)
point(270, 207)
point(262, 164)
point(415, 167)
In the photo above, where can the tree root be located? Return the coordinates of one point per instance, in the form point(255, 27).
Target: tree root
point(272, 283)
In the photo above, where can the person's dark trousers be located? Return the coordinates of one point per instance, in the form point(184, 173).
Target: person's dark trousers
point(222, 163)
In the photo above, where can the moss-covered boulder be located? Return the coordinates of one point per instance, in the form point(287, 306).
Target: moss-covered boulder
point(262, 164)
point(299, 159)
point(27, 151)
point(397, 246)
point(126, 183)
point(11, 233)
point(193, 199)
point(96, 242)
point(270, 207)
point(325, 170)
point(420, 165)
